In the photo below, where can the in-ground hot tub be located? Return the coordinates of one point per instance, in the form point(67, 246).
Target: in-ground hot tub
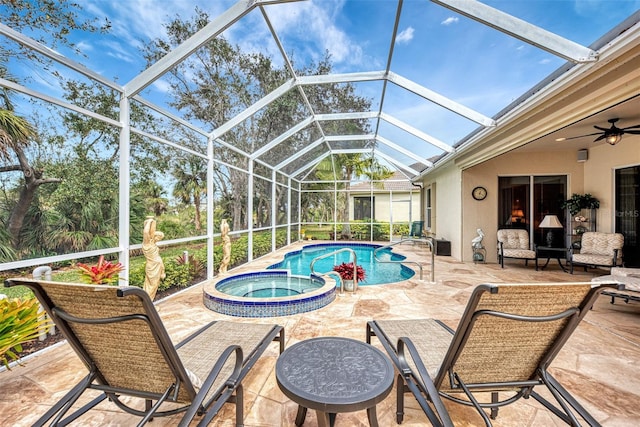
point(270, 293)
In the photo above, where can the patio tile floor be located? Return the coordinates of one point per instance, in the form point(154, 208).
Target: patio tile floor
point(598, 364)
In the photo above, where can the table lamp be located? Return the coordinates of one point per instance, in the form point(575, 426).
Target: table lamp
point(550, 222)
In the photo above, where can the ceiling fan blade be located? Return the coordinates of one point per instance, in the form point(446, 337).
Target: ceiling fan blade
point(600, 138)
point(603, 129)
point(581, 136)
point(631, 127)
point(633, 132)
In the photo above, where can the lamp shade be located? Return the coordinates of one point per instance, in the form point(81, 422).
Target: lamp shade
point(550, 221)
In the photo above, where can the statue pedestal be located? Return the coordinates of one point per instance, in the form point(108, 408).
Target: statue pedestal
point(479, 255)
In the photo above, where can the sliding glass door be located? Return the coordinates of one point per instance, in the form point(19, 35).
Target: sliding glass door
point(524, 201)
point(627, 206)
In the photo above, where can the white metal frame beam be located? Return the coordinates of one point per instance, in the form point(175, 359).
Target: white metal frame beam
point(402, 150)
point(417, 132)
point(521, 30)
point(299, 154)
point(193, 43)
point(441, 100)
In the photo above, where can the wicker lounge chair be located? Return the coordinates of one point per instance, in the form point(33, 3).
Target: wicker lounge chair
point(506, 339)
point(118, 334)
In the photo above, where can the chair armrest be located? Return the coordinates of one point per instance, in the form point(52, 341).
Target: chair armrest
point(230, 383)
point(426, 383)
point(615, 257)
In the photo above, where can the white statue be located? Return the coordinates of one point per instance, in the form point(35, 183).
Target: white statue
point(476, 242)
point(226, 246)
point(154, 267)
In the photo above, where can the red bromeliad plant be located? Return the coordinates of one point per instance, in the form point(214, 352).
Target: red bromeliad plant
point(105, 272)
point(346, 271)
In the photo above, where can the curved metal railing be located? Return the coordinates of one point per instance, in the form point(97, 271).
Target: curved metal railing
point(428, 242)
point(355, 264)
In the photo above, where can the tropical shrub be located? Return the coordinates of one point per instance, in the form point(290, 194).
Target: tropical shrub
point(178, 275)
point(103, 273)
point(20, 322)
point(345, 270)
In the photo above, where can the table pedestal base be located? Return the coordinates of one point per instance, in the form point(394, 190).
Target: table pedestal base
point(326, 419)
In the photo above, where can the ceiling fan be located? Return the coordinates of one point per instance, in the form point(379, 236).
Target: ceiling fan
point(611, 135)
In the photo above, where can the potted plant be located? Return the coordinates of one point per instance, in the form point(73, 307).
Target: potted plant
point(103, 273)
point(345, 270)
point(577, 202)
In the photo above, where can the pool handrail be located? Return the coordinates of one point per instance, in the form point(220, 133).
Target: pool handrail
point(429, 243)
point(355, 266)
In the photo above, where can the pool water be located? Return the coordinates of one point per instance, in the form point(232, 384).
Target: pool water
point(268, 293)
point(299, 262)
point(268, 286)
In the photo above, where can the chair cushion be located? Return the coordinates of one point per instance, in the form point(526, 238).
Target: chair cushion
point(593, 259)
point(598, 243)
point(514, 239)
point(626, 272)
point(519, 253)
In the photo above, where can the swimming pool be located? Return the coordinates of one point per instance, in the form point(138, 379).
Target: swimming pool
point(269, 293)
point(299, 262)
point(268, 285)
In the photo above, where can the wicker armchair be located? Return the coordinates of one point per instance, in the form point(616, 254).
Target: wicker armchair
point(514, 243)
point(598, 249)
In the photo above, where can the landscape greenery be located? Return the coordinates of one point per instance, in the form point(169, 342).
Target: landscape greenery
point(60, 171)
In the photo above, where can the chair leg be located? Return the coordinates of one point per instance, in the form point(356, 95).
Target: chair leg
point(239, 406)
point(494, 410)
point(399, 399)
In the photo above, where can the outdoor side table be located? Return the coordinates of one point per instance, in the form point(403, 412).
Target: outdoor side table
point(551, 252)
point(332, 375)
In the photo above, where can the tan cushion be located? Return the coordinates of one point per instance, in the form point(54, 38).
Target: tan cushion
point(514, 239)
point(519, 253)
point(626, 272)
point(592, 259)
point(597, 243)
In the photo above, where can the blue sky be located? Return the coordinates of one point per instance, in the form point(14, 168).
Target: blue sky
point(437, 48)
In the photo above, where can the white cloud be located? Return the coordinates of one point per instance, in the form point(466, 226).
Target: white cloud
point(84, 46)
point(544, 61)
point(450, 20)
point(405, 36)
point(312, 25)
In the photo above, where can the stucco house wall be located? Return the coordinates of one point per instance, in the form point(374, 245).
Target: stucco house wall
point(447, 208)
point(484, 213)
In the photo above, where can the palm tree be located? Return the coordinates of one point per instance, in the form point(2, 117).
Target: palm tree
point(191, 185)
point(347, 168)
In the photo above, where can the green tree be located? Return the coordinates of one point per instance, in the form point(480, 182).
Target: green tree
point(51, 23)
point(191, 186)
point(223, 81)
point(346, 168)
